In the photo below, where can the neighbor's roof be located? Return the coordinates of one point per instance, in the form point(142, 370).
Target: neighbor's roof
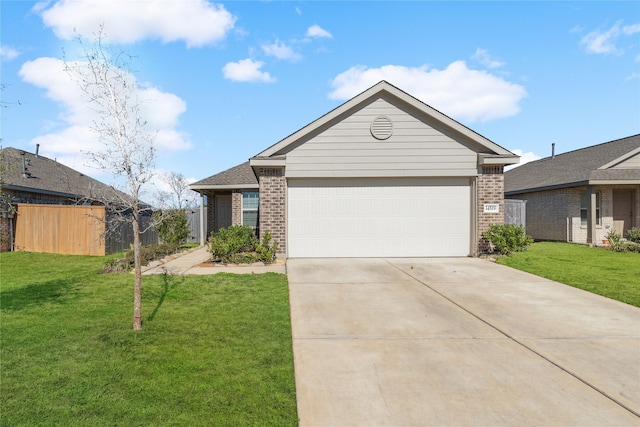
point(240, 176)
point(39, 174)
point(587, 166)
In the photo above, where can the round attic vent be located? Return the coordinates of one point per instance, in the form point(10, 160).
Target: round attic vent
point(381, 127)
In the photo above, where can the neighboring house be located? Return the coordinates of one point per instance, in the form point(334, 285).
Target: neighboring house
point(582, 195)
point(382, 175)
point(29, 178)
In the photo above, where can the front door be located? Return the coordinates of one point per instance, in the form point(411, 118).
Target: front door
point(223, 212)
point(622, 210)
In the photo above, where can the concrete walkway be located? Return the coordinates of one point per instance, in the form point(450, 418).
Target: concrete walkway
point(190, 263)
point(459, 342)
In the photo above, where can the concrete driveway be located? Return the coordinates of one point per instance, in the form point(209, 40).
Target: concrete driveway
point(462, 342)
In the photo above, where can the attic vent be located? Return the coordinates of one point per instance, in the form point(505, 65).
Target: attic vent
point(381, 127)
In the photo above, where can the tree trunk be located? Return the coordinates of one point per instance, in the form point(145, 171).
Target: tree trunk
point(137, 293)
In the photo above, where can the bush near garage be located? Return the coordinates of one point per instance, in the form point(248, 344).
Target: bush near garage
point(507, 238)
point(238, 244)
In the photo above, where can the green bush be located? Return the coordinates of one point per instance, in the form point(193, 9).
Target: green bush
point(633, 235)
point(171, 225)
point(239, 245)
point(147, 254)
point(267, 249)
point(618, 244)
point(507, 238)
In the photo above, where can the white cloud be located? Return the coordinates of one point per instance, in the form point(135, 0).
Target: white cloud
point(631, 29)
point(196, 22)
point(280, 51)
point(317, 31)
point(483, 57)
point(8, 53)
point(246, 70)
point(604, 42)
point(460, 92)
point(73, 136)
point(524, 158)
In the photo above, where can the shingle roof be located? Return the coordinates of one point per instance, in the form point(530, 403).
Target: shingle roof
point(240, 176)
point(579, 167)
point(43, 175)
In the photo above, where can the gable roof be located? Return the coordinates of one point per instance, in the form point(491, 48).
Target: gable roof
point(240, 176)
point(492, 152)
point(28, 172)
point(587, 166)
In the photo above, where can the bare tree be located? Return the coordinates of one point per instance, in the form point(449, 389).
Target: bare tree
point(126, 144)
point(179, 195)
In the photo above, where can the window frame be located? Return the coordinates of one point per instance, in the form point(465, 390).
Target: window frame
point(584, 197)
point(246, 196)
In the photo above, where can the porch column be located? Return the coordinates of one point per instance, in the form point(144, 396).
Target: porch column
point(202, 233)
point(591, 215)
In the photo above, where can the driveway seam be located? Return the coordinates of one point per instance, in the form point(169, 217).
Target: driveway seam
point(514, 339)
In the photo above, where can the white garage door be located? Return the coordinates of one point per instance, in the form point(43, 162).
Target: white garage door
point(378, 218)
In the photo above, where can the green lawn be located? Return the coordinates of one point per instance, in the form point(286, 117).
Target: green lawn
point(604, 272)
point(214, 350)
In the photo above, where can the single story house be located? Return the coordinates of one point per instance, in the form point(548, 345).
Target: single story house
point(581, 195)
point(33, 180)
point(382, 175)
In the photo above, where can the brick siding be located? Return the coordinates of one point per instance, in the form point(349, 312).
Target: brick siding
point(273, 210)
point(490, 191)
point(236, 207)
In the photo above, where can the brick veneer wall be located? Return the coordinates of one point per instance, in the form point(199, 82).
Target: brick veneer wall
point(490, 191)
point(236, 208)
point(273, 210)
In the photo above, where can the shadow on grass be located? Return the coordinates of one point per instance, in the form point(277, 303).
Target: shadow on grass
point(169, 283)
point(35, 294)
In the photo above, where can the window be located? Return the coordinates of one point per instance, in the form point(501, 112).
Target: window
point(584, 203)
point(250, 203)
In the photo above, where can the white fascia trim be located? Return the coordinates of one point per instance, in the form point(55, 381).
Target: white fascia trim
point(268, 162)
point(485, 160)
point(614, 182)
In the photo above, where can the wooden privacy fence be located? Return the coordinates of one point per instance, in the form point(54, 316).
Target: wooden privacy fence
point(74, 230)
point(60, 229)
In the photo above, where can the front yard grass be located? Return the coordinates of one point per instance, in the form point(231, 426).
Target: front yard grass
point(611, 274)
point(214, 350)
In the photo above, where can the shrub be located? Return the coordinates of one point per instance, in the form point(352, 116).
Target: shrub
point(228, 242)
point(266, 250)
point(619, 244)
point(171, 225)
point(239, 245)
point(147, 254)
point(507, 238)
point(634, 235)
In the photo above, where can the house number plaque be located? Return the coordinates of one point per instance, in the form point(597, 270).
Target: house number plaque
point(492, 208)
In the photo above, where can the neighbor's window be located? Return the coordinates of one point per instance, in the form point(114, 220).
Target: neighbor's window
point(250, 203)
point(584, 203)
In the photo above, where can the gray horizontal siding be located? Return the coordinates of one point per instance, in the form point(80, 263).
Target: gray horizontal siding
point(348, 149)
point(630, 163)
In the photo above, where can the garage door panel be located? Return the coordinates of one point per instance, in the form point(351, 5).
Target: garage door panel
point(375, 218)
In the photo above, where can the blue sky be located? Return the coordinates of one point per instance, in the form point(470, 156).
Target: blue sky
point(231, 78)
